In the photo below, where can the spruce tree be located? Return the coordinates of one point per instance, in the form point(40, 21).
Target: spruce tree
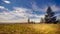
point(50, 17)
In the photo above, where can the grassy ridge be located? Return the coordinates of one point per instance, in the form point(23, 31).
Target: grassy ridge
point(29, 28)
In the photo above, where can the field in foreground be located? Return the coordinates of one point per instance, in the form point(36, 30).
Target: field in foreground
point(29, 28)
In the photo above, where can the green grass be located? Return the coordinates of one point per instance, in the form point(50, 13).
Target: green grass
point(29, 28)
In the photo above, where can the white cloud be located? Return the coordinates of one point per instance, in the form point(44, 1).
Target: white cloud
point(22, 12)
point(55, 8)
point(58, 16)
point(1, 7)
point(14, 21)
point(35, 7)
point(17, 14)
point(37, 18)
point(6, 1)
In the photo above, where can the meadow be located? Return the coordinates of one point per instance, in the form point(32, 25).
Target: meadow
point(29, 28)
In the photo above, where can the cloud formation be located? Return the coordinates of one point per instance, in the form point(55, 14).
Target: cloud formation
point(7, 1)
point(55, 8)
point(37, 8)
point(17, 14)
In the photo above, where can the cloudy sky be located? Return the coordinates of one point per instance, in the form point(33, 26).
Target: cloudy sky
point(21, 10)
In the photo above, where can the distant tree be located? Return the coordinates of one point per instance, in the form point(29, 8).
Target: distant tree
point(28, 20)
point(42, 20)
point(50, 17)
point(58, 20)
point(32, 22)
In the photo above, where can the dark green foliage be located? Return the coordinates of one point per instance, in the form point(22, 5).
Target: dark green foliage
point(50, 17)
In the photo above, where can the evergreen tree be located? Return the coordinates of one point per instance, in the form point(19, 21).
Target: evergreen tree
point(50, 17)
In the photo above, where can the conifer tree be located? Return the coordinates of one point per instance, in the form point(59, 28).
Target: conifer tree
point(50, 17)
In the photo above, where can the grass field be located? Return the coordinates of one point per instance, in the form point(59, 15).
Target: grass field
point(29, 28)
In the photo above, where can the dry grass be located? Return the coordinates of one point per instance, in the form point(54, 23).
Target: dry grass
point(29, 28)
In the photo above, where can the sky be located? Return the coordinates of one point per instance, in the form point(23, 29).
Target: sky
point(21, 10)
